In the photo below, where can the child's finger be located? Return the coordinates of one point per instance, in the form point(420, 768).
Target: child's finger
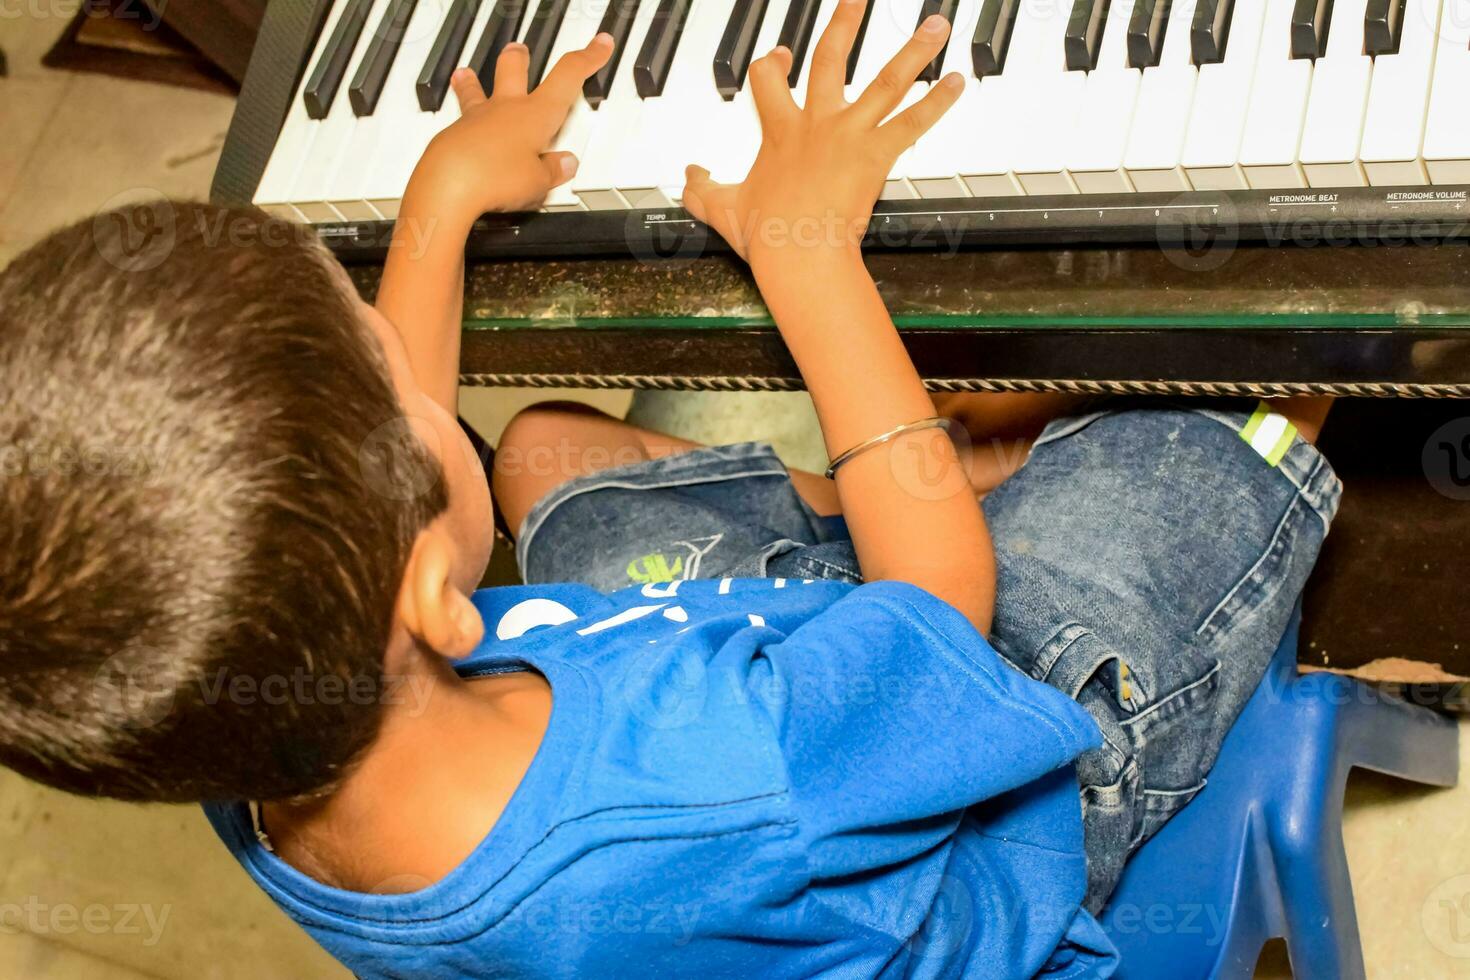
point(512, 68)
point(563, 84)
point(904, 129)
point(560, 167)
point(709, 202)
point(467, 89)
point(829, 60)
point(768, 86)
point(899, 75)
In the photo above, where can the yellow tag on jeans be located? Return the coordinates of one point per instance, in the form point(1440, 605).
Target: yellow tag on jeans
point(1268, 433)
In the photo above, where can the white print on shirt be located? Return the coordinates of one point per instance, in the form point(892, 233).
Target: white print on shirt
point(525, 616)
point(530, 614)
point(626, 616)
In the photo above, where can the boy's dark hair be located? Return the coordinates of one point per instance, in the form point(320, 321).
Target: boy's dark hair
point(199, 558)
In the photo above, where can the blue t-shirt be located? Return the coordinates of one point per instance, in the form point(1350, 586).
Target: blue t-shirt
point(749, 778)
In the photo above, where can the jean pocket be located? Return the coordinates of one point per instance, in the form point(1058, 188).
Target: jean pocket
point(1171, 738)
point(833, 561)
point(1067, 425)
point(1158, 805)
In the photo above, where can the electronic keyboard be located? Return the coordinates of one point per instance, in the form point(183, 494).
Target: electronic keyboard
point(1303, 121)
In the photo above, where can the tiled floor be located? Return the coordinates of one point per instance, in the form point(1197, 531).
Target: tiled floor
point(102, 890)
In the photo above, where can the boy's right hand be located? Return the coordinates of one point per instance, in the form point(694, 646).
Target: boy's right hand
point(822, 167)
point(495, 156)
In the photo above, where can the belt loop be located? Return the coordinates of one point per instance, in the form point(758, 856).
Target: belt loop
point(1075, 655)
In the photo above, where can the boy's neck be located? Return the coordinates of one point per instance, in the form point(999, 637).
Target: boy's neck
point(445, 763)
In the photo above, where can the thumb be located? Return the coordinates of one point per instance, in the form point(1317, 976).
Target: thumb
point(696, 185)
point(706, 200)
point(560, 167)
point(713, 204)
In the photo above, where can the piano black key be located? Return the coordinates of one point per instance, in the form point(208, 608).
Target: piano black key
point(617, 21)
point(651, 70)
point(502, 27)
point(737, 46)
point(433, 83)
point(326, 78)
point(1084, 33)
point(1309, 22)
point(1383, 26)
point(945, 8)
point(992, 36)
point(796, 34)
point(857, 43)
point(1210, 31)
point(367, 87)
point(1146, 32)
point(541, 34)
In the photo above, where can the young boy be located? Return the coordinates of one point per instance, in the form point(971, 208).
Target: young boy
point(243, 534)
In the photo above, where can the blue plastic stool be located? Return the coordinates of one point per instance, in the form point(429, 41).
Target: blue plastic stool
point(1258, 854)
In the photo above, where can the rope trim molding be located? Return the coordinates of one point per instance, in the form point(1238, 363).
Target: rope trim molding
point(1258, 389)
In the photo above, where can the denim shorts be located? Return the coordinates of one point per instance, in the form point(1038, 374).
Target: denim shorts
point(1148, 561)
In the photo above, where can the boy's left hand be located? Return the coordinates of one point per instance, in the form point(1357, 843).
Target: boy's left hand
point(494, 158)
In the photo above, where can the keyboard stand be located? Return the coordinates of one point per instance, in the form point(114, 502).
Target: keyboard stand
point(1250, 319)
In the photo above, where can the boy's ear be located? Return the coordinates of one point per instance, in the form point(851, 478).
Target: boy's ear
point(433, 610)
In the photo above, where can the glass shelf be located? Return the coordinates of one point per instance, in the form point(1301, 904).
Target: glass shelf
point(1139, 287)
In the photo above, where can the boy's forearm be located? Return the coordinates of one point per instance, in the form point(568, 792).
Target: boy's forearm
point(494, 158)
point(909, 504)
point(422, 290)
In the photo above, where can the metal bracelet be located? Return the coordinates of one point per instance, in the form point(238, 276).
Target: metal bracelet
point(936, 422)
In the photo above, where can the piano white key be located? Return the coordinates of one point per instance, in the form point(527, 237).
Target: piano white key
point(931, 168)
point(649, 171)
point(314, 186)
point(1008, 101)
point(583, 21)
point(1105, 113)
point(449, 112)
point(734, 138)
point(890, 26)
point(423, 126)
point(731, 137)
point(1447, 126)
point(1334, 126)
point(386, 145)
point(1041, 157)
point(1161, 114)
point(298, 135)
point(1398, 101)
point(1278, 106)
point(1211, 155)
point(612, 124)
